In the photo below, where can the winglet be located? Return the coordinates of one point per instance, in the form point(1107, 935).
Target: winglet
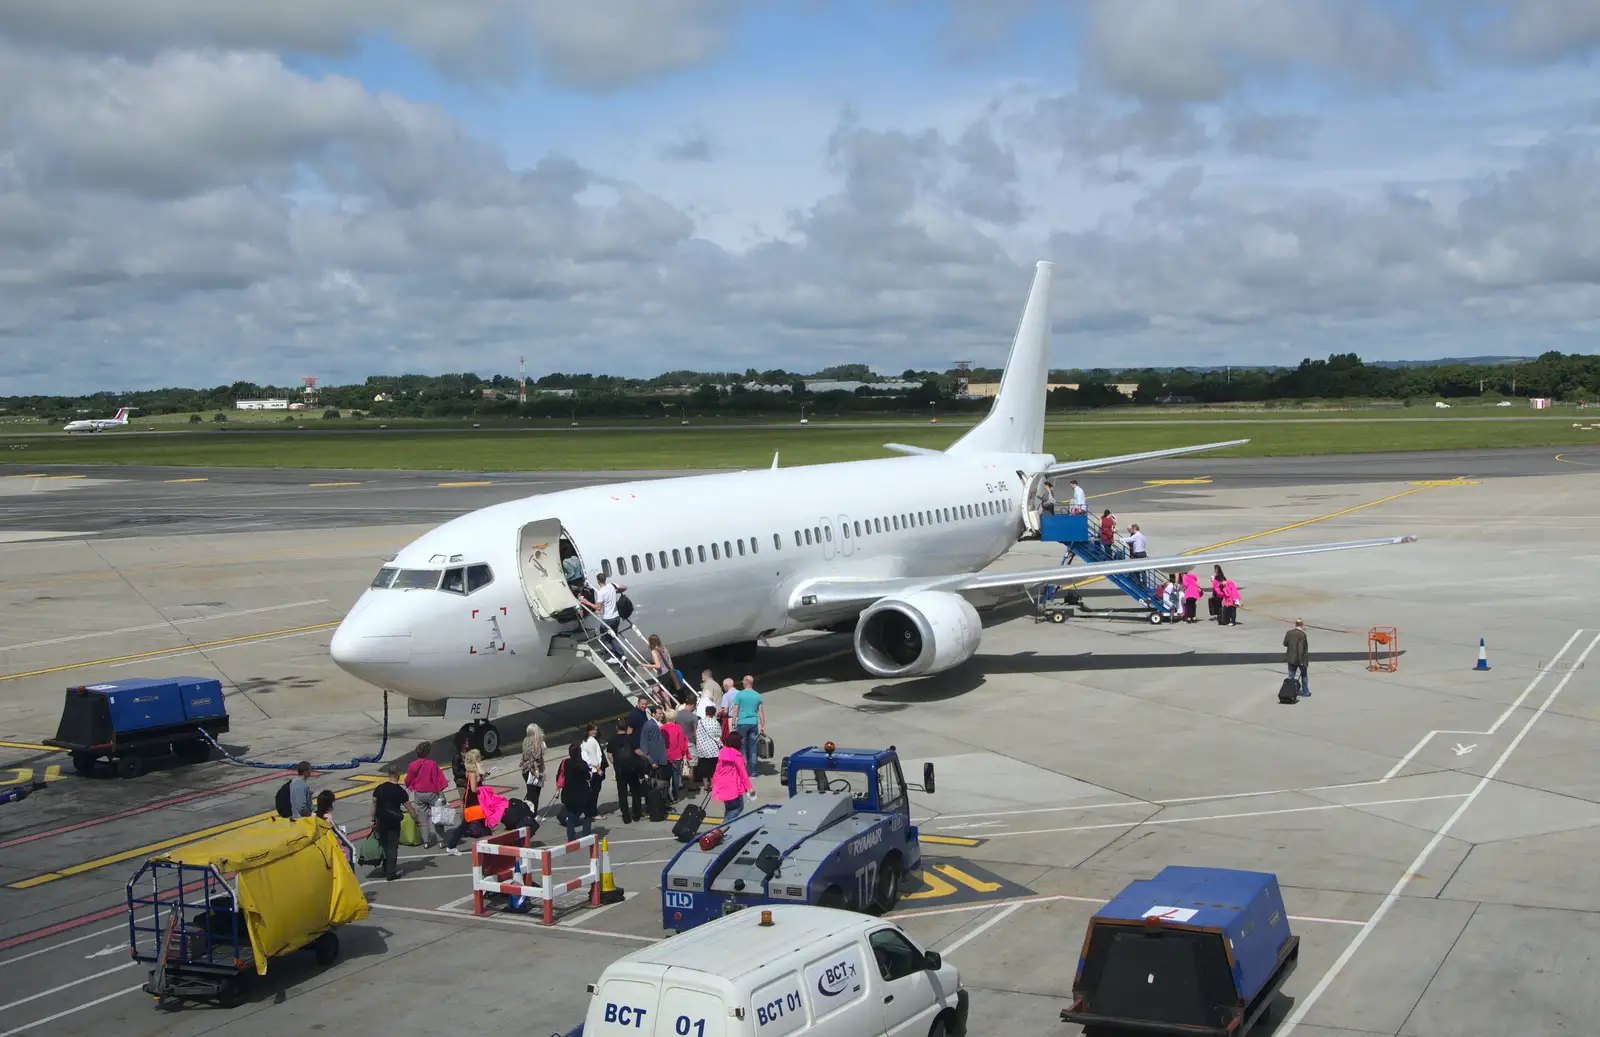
point(904, 448)
point(774, 460)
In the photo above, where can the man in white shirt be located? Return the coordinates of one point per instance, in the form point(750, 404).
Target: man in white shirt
point(607, 595)
point(1135, 542)
point(1080, 505)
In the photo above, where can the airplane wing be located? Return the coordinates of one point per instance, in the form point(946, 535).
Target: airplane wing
point(1065, 467)
point(818, 597)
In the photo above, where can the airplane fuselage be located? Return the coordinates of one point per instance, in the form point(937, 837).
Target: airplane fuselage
point(707, 561)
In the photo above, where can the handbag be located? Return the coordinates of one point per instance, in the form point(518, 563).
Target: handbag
point(369, 850)
point(472, 813)
point(410, 831)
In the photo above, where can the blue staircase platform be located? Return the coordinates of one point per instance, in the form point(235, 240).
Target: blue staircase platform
point(1073, 531)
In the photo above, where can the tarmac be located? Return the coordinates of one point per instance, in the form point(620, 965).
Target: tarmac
point(1434, 828)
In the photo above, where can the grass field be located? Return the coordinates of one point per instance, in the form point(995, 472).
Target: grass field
point(675, 447)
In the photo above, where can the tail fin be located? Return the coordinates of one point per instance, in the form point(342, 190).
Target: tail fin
point(1015, 424)
point(121, 415)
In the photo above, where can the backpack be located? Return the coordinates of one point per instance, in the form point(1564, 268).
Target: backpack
point(281, 800)
point(624, 606)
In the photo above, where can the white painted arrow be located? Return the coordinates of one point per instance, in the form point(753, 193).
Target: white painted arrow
point(1462, 750)
point(114, 948)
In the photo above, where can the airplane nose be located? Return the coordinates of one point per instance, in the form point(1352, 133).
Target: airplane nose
point(363, 647)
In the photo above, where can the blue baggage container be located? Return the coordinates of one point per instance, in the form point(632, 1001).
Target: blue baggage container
point(129, 721)
point(1065, 529)
point(1199, 951)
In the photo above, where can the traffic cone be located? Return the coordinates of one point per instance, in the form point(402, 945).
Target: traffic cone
point(1483, 656)
point(610, 892)
point(518, 903)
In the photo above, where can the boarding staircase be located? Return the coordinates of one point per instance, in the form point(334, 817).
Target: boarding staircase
point(622, 659)
point(1073, 531)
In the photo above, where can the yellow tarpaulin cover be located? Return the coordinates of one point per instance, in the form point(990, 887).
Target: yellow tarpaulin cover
point(293, 879)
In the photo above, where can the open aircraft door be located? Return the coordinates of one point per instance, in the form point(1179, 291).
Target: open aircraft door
point(539, 567)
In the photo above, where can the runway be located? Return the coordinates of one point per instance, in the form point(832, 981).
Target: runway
point(102, 501)
point(1434, 828)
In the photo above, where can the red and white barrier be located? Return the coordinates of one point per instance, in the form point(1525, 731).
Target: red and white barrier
point(494, 860)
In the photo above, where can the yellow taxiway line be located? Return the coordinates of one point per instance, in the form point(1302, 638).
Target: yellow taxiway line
point(167, 651)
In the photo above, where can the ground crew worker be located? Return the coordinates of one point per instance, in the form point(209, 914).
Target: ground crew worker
point(1296, 652)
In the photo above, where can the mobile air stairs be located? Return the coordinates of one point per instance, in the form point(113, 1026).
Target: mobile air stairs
point(1056, 602)
point(628, 670)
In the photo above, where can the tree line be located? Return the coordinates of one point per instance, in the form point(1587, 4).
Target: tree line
point(1342, 376)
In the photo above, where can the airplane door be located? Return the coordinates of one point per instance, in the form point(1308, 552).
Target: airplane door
point(847, 543)
point(829, 548)
point(539, 567)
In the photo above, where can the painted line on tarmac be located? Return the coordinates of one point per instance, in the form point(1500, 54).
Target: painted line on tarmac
point(119, 927)
point(179, 653)
point(168, 651)
point(161, 626)
point(25, 1027)
point(1305, 1005)
point(198, 479)
point(458, 916)
point(481, 482)
point(1564, 459)
point(135, 811)
point(119, 573)
point(365, 782)
point(1199, 481)
point(1225, 817)
point(982, 927)
point(1047, 898)
point(333, 484)
point(67, 986)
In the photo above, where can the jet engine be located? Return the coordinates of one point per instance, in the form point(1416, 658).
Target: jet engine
point(926, 632)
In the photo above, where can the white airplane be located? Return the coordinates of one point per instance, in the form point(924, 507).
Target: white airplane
point(99, 424)
point(893, 548)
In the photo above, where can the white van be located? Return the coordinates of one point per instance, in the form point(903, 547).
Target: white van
point(772, 972)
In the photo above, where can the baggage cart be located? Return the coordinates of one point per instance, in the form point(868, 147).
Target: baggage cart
point(210, 915)
point(130, 722)
point(1196, 951)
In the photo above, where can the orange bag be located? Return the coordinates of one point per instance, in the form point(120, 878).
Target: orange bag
point(472, 813)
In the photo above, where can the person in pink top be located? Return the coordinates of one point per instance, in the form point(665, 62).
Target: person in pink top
point(677, 749)
point(1191, 597)
point(426, 783)
point(1216, 593)
point(730, 781)
point(1230, 603)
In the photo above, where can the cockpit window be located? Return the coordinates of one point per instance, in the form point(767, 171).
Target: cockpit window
point(478, 576)
point(384, 578)
point(417, 579)
point(455, 581)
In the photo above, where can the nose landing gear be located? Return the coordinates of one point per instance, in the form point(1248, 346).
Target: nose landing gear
point(482, 736)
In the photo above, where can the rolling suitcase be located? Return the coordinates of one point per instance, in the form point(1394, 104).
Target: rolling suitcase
point(1214, 604)
point(1289, 691)
point(655, 799)
point(765, 749)
point(519, 815)
point(688, 824)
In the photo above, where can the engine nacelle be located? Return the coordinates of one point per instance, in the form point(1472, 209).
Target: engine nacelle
point(927, 632)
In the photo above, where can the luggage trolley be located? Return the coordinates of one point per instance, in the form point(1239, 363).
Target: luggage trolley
point(294, 880)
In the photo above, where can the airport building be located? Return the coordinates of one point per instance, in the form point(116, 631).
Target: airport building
point(261, 404)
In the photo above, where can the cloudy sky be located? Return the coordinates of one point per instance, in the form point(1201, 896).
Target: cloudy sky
point(193, 192)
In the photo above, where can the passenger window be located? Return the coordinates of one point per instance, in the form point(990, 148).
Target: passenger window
point(636, 568)
point(663, 557)
point(480, 576)
point(827, 531)
point(818, 531)
point(702, 552)
point(896, 958)
point(797, 538)
point(727, 549)
point(716, 553)
point(857, 524)
point(755, 548)
point(605, 567)
point(808, 538)
point(877, 525)
point(384, 578)
point(650, 562)
point(741, 548)
point(677, 560)
point(455, 581)
point(777, 542)
point(844, 530)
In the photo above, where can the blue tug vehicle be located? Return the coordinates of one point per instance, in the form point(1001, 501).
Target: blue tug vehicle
point(843, 839)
